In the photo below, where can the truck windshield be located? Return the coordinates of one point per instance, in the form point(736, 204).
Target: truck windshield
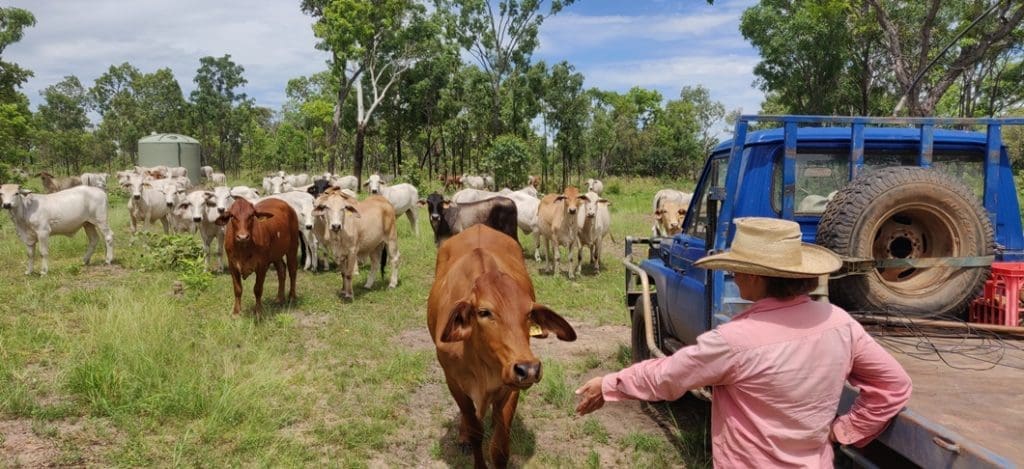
point(696, 223)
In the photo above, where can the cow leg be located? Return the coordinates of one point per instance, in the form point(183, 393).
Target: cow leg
point(471, 430)
point(221, 256)
point(412, 219)
point(279, 268)
point(257, 290)
point(502, 413)
point(108, 240)
point(595, 254)
point(44, 251)
point(30, 248)
point(93, 237)
point(371, 276)
point(394, 255)
point(293, 269)
point(163, 221)
point(236, 282)
point(346, 275)
point(536, 246)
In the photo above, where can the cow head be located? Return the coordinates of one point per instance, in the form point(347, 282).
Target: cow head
point(436, 204)
point(591, 202)
point(239, 220)
point(495, 320)
point(277, 184)
point(172, 193)
point(670, 217)
point(198, 203)
point(570, 199)
point(222, 199)
point(374, 184)
point(318, 187)
point(9, 193)
point(334, 207)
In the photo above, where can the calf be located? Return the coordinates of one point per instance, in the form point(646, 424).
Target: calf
point(595, 186)
point(54, 184)
point(558, 226)
point(595, 222)
point(451, 181)
point(669, 208)
point(449, 219)
point(404, 197)
point(255, 237)
point(201, 208)
point(355, 229)
point(206, 172)
point(36, 217)
point(151, 200)
point(479, 314)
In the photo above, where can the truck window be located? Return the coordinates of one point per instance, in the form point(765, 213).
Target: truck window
point(968, 166)
point(696, 223)
point(818, 175)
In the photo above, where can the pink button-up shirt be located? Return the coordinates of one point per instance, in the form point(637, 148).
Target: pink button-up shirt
point(778, 370)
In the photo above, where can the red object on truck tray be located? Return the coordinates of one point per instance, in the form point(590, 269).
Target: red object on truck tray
point(1001, 301)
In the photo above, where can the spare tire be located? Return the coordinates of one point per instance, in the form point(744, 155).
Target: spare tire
point(907, 212)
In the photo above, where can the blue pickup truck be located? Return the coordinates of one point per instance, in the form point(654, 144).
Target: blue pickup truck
point(917, 211)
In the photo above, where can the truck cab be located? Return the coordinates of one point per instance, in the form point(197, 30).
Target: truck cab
point(930, 254)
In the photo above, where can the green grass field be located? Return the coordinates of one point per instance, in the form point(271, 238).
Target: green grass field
point(109, 366)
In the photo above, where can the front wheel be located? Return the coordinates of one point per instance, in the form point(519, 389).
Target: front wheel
point(641, 351)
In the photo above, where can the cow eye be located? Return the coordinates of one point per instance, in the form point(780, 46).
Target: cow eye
point(485, 313)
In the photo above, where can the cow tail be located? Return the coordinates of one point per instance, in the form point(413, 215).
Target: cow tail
point(383, 261)
point(302, 250)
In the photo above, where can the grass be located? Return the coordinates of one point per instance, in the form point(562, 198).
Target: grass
point(108, 366)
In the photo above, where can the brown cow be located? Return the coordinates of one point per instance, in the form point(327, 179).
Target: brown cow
point(52, 184)
point(556, 222)
point(479, 313)
point(255, 237)
point(451, 181)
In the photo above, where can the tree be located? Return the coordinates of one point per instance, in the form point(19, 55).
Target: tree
point(219, 111)
point(62, 122)
point(16, 124)
point(568, 107)
point(500, 41)
point(508, 160)
point(931, 43)
point(372, 44)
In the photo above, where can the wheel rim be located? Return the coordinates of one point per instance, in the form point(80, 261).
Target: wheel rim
point(915, 232)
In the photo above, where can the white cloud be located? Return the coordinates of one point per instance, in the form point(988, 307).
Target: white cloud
point(271, 39)
point(569, 31)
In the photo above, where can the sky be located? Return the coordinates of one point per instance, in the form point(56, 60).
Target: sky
point(616, 44)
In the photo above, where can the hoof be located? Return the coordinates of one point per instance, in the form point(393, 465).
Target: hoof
point(465, 448)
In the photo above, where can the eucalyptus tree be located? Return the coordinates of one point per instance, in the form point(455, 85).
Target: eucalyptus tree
point(501, 37)
point(568, 108)
point(309, 111)
point(219, 111)
point(16, 124)
point(63, 124)
point(372, 44)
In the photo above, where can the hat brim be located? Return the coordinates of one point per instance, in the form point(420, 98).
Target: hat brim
point(817, 261)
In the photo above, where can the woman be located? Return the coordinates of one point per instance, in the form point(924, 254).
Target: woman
point(777, 368)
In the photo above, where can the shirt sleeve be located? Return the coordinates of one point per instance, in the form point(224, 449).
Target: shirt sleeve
point(884, 389)
point(707, 362)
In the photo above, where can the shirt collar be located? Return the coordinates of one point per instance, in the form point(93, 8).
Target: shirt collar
point(771, 304)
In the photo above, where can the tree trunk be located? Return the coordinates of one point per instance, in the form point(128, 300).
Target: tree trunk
point(357, 157)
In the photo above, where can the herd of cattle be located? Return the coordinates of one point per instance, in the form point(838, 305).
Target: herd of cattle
point(481, 310)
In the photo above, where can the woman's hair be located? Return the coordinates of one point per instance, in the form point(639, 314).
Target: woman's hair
point(778, 287)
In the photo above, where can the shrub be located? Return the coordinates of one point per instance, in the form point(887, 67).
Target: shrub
point(180, 253)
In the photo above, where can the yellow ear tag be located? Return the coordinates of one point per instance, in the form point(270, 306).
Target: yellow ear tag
point(536, 331)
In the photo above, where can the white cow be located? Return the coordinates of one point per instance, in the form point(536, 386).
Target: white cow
point(403, 196)
point(296, 180)
point(473, 182)
point(95, 180)
point(345, 182)
point(177, 172)
point(151, 199)
point(218, 179)
point(595, 223)
point(669, 220)
point(302, 203)
point(37, 216)
point(526, 216)
point(275, 185)
point(222, 199)
point(206, 172)
point(595, 186)
point(245, 192)
point(201, 209)
point(466, 196)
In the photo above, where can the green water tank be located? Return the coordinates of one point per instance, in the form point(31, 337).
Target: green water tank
point(171, 150)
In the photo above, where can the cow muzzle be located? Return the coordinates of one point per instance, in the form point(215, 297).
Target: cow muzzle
point(137, 196)
point(335, 227)
point(572, 211)
point(197, 219)
point(526, 373)
point(309, 226)
point(375, 192)
point(220, 210)
point(242, 237)
point(7, 205)
point(170, 204)
point(435, 217)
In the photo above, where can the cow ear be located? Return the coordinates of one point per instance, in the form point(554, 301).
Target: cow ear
point(183, 206)
point(421, 202)
point(264, 216)
point(550, 321)
point(560, 197)
point(682, 211)
point(355, 213)
point(223, 219)
point(366, 182)
point(659, 211)
point(458, 327)
point(603, 201)
point(446, 204)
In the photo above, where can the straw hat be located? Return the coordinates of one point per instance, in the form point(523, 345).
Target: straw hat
point(772, 248)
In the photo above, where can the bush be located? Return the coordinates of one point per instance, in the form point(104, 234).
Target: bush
point(180, 253)
point(508, 160)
